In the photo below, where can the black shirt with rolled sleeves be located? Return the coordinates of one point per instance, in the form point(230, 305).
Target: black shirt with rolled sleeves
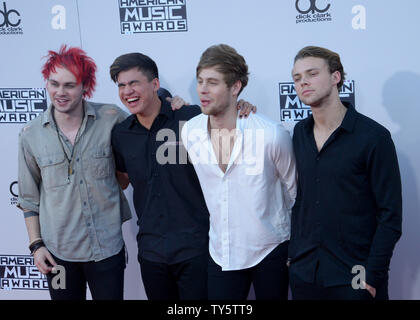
point(348, 209)
point(172, 215)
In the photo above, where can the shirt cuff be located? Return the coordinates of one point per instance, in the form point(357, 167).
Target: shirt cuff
point(26, 205)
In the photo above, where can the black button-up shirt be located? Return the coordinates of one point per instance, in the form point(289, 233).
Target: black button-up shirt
point(348, 208)
point(172, 215)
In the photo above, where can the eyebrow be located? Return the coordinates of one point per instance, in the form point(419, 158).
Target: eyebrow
point(65, 83)
point(308, 70)
point(208, 79)
point(121, 84)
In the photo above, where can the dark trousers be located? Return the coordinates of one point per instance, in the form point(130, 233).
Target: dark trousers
point(270, 278)
point(186, 280)
point(302, 290)
point(105, 279)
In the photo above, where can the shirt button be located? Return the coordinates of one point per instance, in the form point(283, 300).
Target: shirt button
point(317, 180)
point(317, 202)
point(88, 224)
point(81, 181)
point(77, 159)
point(317, 158)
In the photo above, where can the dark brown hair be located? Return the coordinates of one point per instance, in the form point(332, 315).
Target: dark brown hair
point(134, 60)
point(331, 58)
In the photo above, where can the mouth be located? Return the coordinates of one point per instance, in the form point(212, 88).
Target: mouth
point(204, 103)
point(61, 102)
point(132, 101)
point(306, 92)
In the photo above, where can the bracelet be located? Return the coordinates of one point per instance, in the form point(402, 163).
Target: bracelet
point(35, 240)
point(35, 245)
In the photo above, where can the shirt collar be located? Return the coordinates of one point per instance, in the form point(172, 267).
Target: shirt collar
point(347, 124)
point(350, 117)
point(47, 116)
point(204, 125)
point(165, 111)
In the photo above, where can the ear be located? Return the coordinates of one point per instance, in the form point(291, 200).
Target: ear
point(336, 77)
point(84, 91)
point(156, 84)
point(236, 87)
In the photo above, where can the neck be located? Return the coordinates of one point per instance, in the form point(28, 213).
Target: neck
point(71, 120)
point(329, 117)
point(150, 113)
point(329, 114)
point(225, 120)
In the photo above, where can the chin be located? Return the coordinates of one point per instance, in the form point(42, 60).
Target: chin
point(206, 111)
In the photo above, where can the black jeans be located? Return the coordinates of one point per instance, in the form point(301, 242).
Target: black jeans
point(270, 278)
point(105, 279)
point(317, 291)
point(186, 280)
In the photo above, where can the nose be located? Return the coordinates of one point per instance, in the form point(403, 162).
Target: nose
point(202, 87)
point(127, 89)
point(304, 81)
point(60, 90)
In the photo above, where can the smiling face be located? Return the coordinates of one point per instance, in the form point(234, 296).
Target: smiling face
point(65, 93)
point(314, 84)
point(215, 96)
point(136, 91)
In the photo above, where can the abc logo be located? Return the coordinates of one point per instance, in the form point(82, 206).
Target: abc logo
point(9, 17)
point(312, 7)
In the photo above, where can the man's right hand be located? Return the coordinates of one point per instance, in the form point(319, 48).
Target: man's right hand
point(41, 256)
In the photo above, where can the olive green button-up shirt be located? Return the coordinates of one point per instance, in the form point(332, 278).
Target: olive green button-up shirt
point(80, 210)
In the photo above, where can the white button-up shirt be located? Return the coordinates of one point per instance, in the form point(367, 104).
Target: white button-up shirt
point(249, 204)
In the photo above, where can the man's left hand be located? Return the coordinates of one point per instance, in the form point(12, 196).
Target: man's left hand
point(177, 102)
point(371, 290)
point(245, 108)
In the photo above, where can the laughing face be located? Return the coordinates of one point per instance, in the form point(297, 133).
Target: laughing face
point(136, 91)
point(65, 93)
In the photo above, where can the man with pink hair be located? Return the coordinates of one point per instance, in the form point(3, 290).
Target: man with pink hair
point(68, 188)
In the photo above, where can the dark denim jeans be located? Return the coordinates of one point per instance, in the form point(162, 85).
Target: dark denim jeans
point(105, 279)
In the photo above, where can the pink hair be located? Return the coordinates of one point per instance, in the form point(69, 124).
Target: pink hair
point(77, 62)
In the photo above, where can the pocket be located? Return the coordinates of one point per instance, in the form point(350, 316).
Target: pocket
point(102, 163)
point(54, 170)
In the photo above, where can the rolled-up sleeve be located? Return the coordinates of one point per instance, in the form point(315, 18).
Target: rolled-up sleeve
point(28, 177)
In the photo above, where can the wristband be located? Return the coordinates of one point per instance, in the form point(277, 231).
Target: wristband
point(34, 246)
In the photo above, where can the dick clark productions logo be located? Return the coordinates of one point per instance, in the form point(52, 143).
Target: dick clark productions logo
point(10, 21)
point(312, 11)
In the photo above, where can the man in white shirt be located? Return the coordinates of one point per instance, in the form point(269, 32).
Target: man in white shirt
point(246, 170)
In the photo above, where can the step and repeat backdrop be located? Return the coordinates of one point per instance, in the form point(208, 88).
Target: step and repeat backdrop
point(377, 41)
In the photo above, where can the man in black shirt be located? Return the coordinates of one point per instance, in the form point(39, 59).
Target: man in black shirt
point(172, 215)
point(348, 211)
